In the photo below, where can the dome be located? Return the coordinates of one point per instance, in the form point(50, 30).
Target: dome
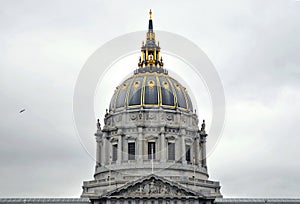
point(150, 90)
point(150, 87)
point(151, 129)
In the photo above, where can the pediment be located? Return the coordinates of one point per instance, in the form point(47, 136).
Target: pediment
point(152, 186)
point(151, 137)
point(171, 137)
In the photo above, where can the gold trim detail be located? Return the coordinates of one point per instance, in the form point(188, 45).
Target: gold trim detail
point(151, 84)
point(128, 90)
point(159, 97)
point(150, 13)
point(124, 86)
point(166, 85)
point(136, 84)
point(117, 95)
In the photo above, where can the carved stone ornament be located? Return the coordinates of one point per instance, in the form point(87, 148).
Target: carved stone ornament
point(130, 138)
point(151, 116)
point(98, 139)
point(120, 132)
point(140, 115)
point(151, 137)
point(133, 116)
point(113, 140)
point(152, 187)
point(109, 121)
point(171, 138)
point(189, 141)
point(118, 118)
point(194, 122)
point(169, 117)
point(162, 116)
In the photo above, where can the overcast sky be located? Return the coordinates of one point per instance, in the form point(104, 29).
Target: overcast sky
point(254, 46)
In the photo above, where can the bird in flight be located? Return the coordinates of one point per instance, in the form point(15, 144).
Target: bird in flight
point(21, 111)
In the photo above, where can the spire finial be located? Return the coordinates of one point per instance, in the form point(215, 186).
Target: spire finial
point(150, 26)
point(150, 13)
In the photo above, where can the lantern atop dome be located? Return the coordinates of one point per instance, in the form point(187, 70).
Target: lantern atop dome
point(150, 51)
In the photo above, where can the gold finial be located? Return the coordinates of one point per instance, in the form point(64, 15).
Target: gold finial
point(150, 14)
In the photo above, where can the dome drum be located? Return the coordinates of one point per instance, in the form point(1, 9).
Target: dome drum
point(151, 117)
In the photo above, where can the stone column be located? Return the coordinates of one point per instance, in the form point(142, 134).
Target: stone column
point(203, 142)
point(98, 149)
point(163, 151)
point(178, 151)
point(183, 150)
point(200, 149)
point(108, 151)
point(104, 149)
point(119, 159)
point(192, 151)
point(197, 154)
point(140, 145)
point(125, 149)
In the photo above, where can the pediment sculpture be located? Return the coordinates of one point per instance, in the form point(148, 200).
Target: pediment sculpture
point(152, 187)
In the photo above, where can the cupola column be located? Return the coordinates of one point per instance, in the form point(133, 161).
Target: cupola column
point(104, 149)
point(98, 135)
point(203, 142)
point(182, 150)
point(140, 145)
point(98, 151)
point(163, 152)
point(200, 153)
point(197, 156)
point(203, 136)
point(125, 149)
point(120, 149)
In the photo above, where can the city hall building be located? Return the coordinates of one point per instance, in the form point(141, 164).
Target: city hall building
point(150, 123)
